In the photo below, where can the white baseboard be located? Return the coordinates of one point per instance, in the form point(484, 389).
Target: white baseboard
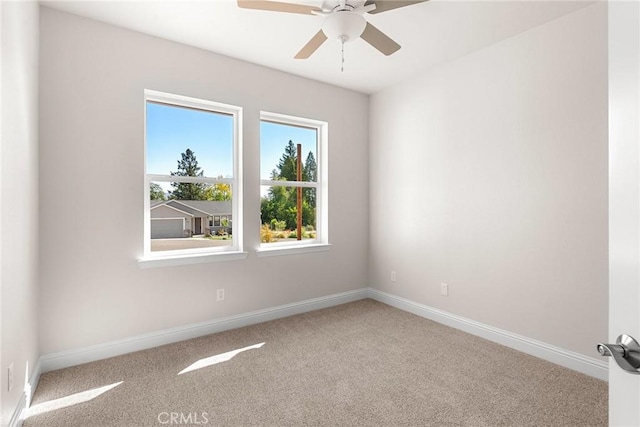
point(33, 381)
point(578, 362)
point(25, 399)
point(65, 359)
point(569, 359)
point(16, 418)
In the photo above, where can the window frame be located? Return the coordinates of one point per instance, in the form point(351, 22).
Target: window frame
point(195, 255)
point(321, 242)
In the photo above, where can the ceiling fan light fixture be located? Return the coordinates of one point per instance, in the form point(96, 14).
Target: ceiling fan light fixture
point(344, 26)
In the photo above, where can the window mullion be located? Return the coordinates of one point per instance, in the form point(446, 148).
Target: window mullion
point(280, 183)
point(190, 179)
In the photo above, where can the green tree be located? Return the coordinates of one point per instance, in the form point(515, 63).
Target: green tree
point(188, 166)
point(310, 173)
point(156, 192)
point(281, 202)
point(287, 169)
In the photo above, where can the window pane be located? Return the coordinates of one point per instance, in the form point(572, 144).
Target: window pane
point(278, 152)
point(279, 212)
point(184, 223)
point(188, 142)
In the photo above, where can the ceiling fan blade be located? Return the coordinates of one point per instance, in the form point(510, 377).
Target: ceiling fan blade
point(313, 45)
point(379, 40)
point(277, 6)
point(385, 5)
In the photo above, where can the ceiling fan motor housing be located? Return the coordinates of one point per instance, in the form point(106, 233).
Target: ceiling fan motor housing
point(343, 20)
point(344, 25)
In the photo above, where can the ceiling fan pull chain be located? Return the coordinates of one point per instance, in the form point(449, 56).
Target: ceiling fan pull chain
point(342, 64)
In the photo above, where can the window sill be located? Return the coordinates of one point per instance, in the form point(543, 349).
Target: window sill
point(187, 259)
point(291, 250)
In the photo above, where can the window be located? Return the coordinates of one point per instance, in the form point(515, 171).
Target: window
point(293, 192)
point(192, 176)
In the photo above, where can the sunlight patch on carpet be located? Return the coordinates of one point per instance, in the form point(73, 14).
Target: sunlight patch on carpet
point(218, 358)
point(72, 399)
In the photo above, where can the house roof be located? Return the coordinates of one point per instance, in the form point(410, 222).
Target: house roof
point(197, 207)
point(209, 206)
point(168, 206)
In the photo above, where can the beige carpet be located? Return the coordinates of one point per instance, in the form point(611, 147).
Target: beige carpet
point(359, 364)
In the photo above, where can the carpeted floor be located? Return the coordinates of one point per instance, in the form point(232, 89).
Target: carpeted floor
point(358, 364)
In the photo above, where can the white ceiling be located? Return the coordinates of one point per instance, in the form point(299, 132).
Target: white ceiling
point(430, 33)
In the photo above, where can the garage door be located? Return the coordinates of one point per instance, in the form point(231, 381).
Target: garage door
point(167, 228)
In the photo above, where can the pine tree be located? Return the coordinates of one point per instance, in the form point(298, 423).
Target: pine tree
point(310, 174)
point(287, 164)
point(188, 166)
point(310, 168)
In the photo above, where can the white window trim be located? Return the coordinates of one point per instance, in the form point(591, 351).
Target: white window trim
point(191, 258)
point(292, 249)
point(196, 255)
point(321, 242)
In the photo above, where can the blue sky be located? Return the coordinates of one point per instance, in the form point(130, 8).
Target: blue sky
point(171, 130)
point(273, 139)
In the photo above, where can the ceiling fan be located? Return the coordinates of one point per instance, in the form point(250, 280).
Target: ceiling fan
point(343, 20)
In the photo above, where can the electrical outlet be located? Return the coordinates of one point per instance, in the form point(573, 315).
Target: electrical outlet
point(220, 295)
point(444, 289)
point(394, 277)
point(10, 377)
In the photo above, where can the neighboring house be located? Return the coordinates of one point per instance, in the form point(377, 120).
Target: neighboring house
point(185, 218)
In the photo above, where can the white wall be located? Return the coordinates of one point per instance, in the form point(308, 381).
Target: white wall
point(91, 108)
point(18, 195)
point(490, 174)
